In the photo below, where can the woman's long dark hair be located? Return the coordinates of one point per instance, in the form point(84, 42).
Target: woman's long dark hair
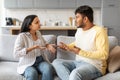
point(27, 22)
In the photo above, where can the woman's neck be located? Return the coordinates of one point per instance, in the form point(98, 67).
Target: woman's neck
point(33, 32)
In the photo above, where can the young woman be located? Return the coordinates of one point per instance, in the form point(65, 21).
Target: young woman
point(30, 49)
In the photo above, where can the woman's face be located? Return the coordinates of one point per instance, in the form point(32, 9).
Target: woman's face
point(35, 25)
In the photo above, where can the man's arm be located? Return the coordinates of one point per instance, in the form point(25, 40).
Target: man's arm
point(102, 47)
point(66, 46)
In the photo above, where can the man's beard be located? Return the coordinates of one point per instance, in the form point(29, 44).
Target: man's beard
point(81, 26)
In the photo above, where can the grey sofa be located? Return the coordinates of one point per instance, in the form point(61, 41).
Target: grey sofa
point(8, 64)
point(68, 55)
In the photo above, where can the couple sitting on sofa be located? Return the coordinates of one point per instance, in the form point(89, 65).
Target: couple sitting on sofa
point(90, 46)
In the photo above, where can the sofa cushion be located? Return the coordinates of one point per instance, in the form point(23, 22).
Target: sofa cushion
point(8, 71)
point(114, 59)
point(62, 54)
point(113, 41)
point(110, 76)
point(51, 39)
point(7, 45)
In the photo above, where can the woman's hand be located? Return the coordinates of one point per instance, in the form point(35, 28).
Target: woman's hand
point(51, 47)
point(35, 47)
point(39, 47)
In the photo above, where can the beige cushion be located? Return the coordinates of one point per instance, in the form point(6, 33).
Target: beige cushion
point(114, 59)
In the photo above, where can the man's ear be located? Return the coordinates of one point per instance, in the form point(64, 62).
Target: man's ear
point(85, 19)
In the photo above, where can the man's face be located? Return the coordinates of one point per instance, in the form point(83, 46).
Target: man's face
point(79, 20)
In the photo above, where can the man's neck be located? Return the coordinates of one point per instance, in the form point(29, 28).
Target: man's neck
point(88, 26)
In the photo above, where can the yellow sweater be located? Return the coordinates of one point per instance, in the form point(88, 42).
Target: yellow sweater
point(94, 46)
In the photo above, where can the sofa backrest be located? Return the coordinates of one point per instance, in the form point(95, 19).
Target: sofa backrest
point(113, 41)
point(7, 45)
point(61, 54)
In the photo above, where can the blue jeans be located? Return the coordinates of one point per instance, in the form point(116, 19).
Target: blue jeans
point(75, 70)
point(40, 66)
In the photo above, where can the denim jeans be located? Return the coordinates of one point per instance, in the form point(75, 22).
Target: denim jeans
point(40, 66)
point(75, 70)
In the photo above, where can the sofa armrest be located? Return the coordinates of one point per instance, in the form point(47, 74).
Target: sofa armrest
point(113, 41)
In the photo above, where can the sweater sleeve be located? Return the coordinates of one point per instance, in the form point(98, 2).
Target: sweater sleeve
point(102, 47)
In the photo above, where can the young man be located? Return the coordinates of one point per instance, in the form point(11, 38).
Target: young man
point(90, 47)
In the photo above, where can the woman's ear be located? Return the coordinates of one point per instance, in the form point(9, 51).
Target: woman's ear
point(30, 26)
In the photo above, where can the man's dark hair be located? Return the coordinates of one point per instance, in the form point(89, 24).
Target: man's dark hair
point(85, 11)
point(27, 22)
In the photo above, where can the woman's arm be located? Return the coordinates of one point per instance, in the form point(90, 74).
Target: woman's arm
point(19, 47)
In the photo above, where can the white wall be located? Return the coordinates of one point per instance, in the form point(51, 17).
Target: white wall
point(44, 15)
point(2, 13)
point(50, 14)
point(1, 10)
point(118, 30)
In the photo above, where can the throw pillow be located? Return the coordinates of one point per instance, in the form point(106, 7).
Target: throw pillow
point(114, 59)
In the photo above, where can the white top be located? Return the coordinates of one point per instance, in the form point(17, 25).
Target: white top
point(37, 51)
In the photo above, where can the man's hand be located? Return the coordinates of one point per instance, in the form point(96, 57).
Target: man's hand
point(75, 50)
point(63, 46)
